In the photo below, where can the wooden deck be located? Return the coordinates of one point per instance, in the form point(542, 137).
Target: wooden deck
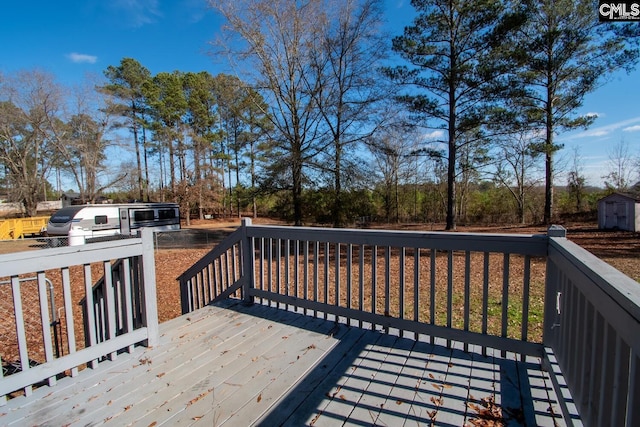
point(238, 365)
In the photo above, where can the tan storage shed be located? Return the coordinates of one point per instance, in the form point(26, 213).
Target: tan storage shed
point(619, 211)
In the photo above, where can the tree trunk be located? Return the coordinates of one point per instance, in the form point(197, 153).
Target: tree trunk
point(137, 146)
point(172, 170)
point(548, 155)
point(296, 169)
point(451, 186)
point(146, 165)
point(337, 197)
point(253, 182)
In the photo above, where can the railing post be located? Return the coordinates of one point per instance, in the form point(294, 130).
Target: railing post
point(186, 304)
point(150, 308)
point(557, 231)
point(248, 263)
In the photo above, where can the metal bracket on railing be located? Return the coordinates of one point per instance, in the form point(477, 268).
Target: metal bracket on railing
point(558, 296)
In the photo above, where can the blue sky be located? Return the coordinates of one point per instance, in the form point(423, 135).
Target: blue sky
point(70, 38)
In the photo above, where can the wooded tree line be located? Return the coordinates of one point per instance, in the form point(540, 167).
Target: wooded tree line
point(331, 119)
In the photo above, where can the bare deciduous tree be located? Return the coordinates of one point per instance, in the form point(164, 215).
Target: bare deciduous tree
point(82, 142)
point(30, 105)
point(346, 61)
point(517, 167)
point(575, 179)
point(620, 171)
point(278, 38)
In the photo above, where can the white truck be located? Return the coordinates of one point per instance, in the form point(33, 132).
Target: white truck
point(83, 223)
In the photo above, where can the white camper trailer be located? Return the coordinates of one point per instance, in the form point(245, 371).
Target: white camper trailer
point(83, 223)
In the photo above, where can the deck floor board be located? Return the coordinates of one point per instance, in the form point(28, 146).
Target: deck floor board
point(232, 364)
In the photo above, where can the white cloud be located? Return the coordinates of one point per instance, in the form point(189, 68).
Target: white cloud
point(436, 134)
point(137, 12)
point(80, 58)
point(635, 128)
point(605, 130)
point(597, 132)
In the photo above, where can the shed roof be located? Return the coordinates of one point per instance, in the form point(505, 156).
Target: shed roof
point(631, 197)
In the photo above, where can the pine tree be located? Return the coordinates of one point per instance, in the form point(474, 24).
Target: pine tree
point(459, 67)
point(565, 53)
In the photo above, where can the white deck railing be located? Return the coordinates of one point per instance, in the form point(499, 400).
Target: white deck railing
point(117, 313)
point(589, 312)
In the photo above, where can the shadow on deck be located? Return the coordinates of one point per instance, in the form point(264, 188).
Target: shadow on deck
point(233, 364)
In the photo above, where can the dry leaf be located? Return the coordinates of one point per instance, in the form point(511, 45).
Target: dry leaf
point(259, 398)
point(437, 400)
point(200, 396)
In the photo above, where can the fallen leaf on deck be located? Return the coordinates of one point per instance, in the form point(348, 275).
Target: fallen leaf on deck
point(200, 396)
point(489, 414)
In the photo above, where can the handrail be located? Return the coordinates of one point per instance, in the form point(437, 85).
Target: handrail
point(332, 271)
point(217, 275)
point(592, 325)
